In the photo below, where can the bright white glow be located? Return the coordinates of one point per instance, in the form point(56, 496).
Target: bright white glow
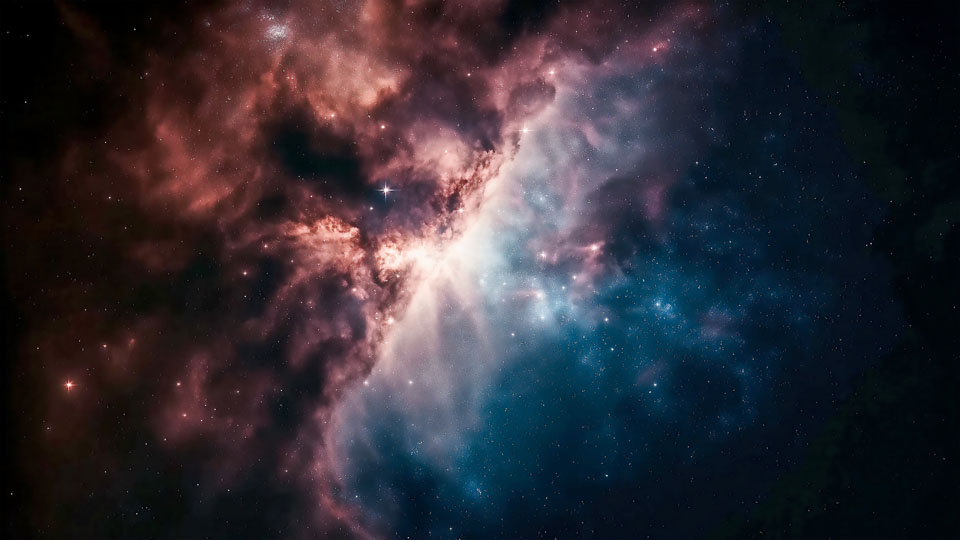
point(277, 31)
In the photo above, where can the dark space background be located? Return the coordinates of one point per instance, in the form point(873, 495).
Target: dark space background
point(853, 434)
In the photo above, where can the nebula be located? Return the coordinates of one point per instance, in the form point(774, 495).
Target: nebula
point(440, 269)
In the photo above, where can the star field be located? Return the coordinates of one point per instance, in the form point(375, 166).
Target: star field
point(459, 270)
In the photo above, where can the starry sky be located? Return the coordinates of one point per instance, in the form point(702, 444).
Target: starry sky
point(487, 269)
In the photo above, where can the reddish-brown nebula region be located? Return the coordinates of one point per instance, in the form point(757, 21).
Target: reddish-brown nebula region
point(249, 223)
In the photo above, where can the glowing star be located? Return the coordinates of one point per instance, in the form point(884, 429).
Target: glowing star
point(525, 129)
point(277, 31)
point(69, 385)
point(386, 190)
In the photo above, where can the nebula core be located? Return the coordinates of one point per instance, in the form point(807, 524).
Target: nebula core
point(425, 269)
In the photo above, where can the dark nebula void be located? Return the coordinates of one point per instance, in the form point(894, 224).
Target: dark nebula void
point(377, 269)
